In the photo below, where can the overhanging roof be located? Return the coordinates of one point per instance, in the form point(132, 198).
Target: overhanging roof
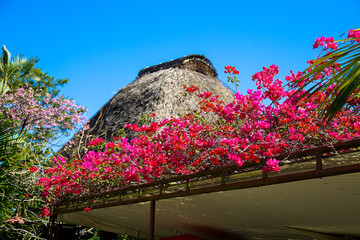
point(311, 198)
point(327, 205)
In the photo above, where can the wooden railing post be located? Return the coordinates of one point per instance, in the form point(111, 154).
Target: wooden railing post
point(152, 220)
point(52, 227)
point(319, 162)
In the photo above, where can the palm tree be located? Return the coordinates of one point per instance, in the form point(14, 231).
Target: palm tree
point(347, 80)
point(9, 67)
point(19, 71)
point(9, 135)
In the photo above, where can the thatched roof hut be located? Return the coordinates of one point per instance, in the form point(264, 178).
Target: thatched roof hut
point(157, 89)
point(305, 197)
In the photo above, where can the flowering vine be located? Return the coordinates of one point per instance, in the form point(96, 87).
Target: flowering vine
point(246, 130)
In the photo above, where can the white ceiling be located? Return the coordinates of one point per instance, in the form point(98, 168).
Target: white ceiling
point(327, 205)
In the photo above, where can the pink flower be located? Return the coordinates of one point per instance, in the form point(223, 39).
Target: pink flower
point(354, 34)
point(326, 42)
point(272, 165)
point(235, 158)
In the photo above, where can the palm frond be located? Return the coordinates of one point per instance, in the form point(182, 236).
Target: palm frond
point(17, 61)
point(6, 55)
point(347, 80)
point(10, 138)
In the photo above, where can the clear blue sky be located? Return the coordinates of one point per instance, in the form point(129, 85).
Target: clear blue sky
point(102, 45)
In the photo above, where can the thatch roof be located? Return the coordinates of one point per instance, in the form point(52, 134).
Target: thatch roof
point(158, 89)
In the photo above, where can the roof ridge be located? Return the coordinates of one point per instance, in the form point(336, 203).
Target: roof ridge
point(181, 61)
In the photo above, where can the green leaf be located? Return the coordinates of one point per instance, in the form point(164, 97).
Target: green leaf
point(347, 80)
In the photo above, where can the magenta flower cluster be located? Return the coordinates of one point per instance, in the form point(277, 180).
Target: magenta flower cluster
point(246, 130)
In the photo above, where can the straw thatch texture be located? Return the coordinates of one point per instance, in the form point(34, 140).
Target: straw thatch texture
point(158, 89)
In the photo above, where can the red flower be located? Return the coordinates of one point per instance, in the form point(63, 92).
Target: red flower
point(231, 70)
point(96, 141)
point(110, 145)
point(87, 209)
point(45, 212)
point(191, 89)
point(33, 169)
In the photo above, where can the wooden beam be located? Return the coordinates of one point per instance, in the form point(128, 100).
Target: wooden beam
point(230, 186)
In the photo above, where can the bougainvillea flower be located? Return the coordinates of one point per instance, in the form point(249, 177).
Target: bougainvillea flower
point(272, 165)
point(33, 169)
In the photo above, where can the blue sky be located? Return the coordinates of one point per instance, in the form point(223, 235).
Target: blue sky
point(102, 45)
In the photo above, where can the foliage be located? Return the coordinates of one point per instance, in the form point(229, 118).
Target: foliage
point(9, 67)
point(338, 69)
point(10, 139)
point(30, 104)
point(18, 72)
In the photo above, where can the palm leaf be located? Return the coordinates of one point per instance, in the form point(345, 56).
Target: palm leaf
point(10, 139)
point(347, 80)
